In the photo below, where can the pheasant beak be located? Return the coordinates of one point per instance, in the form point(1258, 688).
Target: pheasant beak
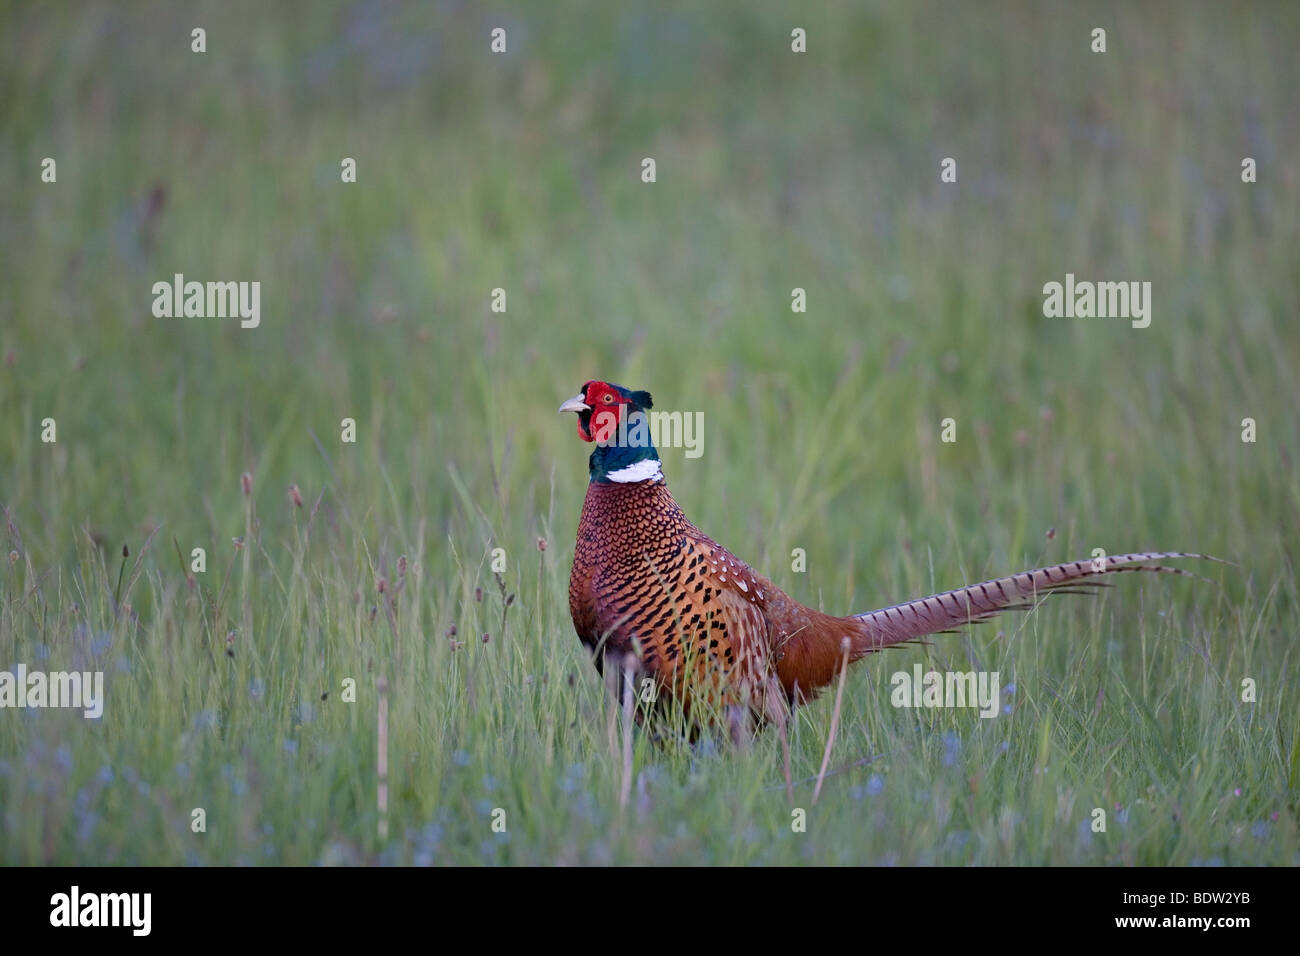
point(576, 404)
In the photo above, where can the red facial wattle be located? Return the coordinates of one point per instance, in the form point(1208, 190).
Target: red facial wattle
point(605, 405)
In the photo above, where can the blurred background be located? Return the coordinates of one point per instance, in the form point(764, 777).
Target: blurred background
point(522, 171)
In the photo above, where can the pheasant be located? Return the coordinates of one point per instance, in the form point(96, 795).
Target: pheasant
point(659, 598)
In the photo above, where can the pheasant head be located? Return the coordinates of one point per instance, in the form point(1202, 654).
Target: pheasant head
point(614, 419)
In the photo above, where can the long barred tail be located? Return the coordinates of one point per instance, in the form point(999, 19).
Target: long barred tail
point(1019, 592)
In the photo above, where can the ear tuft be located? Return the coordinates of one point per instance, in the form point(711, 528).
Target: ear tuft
point(642, 399)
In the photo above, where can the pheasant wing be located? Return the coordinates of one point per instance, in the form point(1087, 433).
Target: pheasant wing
point(693, 615)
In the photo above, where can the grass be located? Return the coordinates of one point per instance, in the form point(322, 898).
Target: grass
point(775, 171)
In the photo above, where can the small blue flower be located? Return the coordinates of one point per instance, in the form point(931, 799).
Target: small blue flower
point(205, 719)
point(256, 688)
point(183, 771)
point(875, 784)
point(572, 777)
point(291, 747)
point(105, 774)
point(1260, 830)
point(34, 756)
point(584, 806)
point(42, 652)
point(430, 836)
point(460, 758)
point(63, 759)
point(101, 643)
point(1009, 689)
point(951, 748)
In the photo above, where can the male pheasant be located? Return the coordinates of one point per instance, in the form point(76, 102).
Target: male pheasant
point(657, 597)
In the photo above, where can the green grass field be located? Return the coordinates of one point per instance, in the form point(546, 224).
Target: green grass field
point(224, 690)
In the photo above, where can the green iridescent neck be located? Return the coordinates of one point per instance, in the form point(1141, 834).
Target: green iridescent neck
point(629, 455)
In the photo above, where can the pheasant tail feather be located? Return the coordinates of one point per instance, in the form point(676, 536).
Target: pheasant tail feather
point(1018, 592)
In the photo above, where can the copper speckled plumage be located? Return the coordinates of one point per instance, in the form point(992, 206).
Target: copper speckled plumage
point(699, 621)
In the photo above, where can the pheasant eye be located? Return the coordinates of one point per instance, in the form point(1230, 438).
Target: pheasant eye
point(608, 398)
